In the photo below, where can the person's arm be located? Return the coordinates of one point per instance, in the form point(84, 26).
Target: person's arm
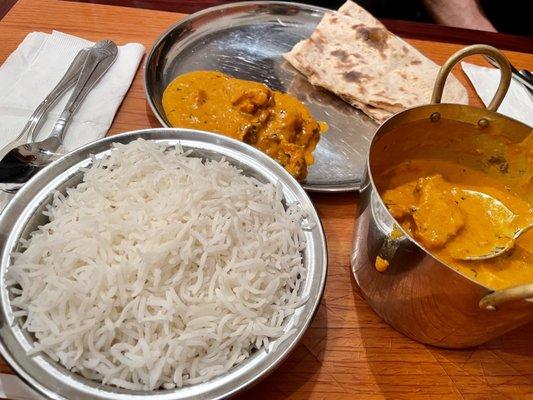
point(459, 13)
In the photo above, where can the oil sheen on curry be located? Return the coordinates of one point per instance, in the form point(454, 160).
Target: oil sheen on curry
point(445, 206)
point(276, 123)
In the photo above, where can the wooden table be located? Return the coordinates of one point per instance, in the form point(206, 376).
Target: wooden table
point(348, 352)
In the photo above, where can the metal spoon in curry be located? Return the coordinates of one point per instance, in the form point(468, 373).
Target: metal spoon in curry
point(459, 213)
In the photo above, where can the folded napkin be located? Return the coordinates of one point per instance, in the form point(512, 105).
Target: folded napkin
point(32, 71)
point(517, 103)
point(37, 65)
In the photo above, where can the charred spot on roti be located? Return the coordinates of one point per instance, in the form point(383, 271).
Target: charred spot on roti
point(345, 11)
point(416, 62)
point(383, 94)
point(318, 44)
point(334, 19)
point(361, 90)
point(353, 76)
point(318, 40)
point(375, 37)
point(340, 54)
point(342, 65)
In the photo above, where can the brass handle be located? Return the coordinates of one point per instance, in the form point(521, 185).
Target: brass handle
point(493, 52)
point(521, 292)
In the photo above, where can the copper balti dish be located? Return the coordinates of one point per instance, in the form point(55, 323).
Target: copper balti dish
point(417, 294)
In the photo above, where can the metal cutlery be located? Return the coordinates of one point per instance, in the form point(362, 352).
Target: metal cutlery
point(508, 232)
point(25, 160)
point(31, 128)
point(524, 77)
point(526, 74)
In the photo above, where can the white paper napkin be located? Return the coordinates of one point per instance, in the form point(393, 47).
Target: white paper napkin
point(37, 65)
point(31, 72)
point(517, 104)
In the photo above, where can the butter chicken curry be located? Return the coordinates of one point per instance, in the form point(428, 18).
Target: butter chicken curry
point(447, 208)
point(274, 122)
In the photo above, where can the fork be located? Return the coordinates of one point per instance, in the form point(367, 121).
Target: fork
point(67, 81)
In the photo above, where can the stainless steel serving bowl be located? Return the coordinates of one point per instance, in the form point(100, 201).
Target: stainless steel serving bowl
point(24, 214)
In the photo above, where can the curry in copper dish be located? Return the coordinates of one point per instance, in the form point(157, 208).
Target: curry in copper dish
point(449, 209)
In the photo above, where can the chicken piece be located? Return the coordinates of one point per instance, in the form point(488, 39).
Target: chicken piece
point(438, 217)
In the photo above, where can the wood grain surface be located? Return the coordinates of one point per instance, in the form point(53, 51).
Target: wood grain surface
point(348, 352)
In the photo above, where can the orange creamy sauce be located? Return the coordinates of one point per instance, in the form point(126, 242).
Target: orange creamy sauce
point(274, 122)
point(438, 210)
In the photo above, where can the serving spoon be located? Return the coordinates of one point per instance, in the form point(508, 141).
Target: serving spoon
point(24, 161)
point(504, 219)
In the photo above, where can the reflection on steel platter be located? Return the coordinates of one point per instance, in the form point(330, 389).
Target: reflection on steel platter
point(247, 41)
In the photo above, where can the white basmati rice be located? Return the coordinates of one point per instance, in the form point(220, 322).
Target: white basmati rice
point(159, 270)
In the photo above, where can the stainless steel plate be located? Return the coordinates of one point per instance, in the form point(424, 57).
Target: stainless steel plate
point(24, 214)
point(247, 40)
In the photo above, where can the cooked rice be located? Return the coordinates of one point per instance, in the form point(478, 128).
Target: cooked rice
point(159, 270)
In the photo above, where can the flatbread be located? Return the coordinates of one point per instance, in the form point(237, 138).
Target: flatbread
point(358, 13)
point(354, 56)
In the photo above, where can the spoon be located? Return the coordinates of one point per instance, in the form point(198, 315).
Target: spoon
point(505, 224)
point(499, 250)
point(67, 81)
point(24, 161)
